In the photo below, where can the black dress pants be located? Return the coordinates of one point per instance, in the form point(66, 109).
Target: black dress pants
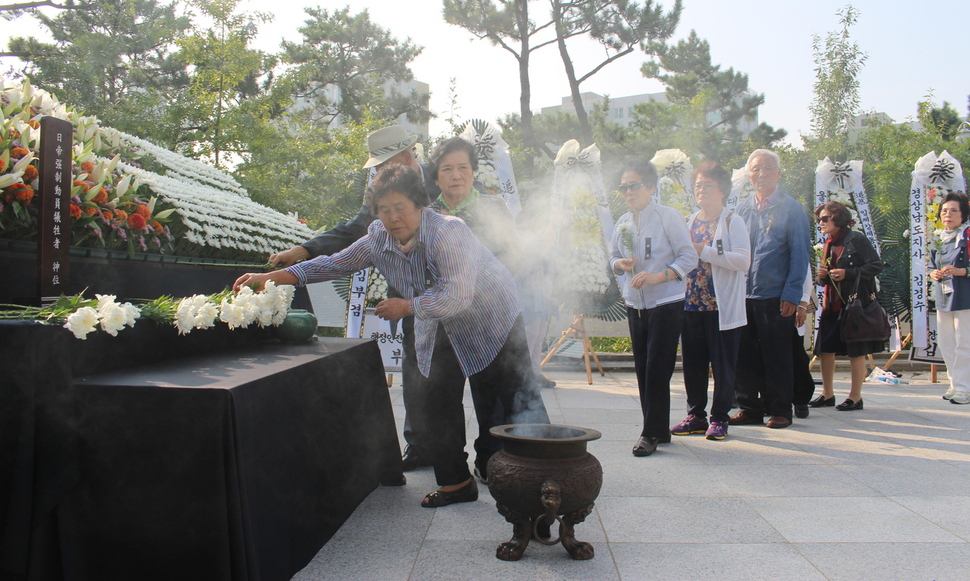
point(705, 344)
point(505, 392)
point(410, 382)
point(765, 370)
point(504, 384)
point(804, 386)
point(654, 334)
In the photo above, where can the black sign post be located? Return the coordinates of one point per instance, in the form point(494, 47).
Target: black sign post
point(54, 222)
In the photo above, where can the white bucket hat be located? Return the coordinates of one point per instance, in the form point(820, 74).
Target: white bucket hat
point(387, 142)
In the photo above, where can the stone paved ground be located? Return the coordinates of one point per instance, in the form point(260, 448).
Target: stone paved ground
point(879, 494)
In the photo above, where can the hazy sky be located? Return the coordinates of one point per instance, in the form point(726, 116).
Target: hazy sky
point(768, 40)
point(913, 48)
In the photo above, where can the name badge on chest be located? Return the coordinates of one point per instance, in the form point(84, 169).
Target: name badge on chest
point(720, 247)
point(647, 247)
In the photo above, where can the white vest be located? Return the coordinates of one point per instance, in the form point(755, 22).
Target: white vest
point(729, 267)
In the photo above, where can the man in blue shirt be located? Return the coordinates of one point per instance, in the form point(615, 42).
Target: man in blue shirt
point(779, 233)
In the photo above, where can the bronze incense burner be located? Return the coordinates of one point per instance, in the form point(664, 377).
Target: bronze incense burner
point(544, 474)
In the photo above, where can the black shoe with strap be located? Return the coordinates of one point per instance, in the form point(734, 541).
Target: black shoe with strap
point(848, 405)
point(437, 498)
point(822, 402)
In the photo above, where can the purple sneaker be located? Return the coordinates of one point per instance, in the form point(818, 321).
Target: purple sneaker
point(717, 431)
point(690, 425)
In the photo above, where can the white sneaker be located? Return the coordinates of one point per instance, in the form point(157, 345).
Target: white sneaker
point(949, 393)
point(960, 397)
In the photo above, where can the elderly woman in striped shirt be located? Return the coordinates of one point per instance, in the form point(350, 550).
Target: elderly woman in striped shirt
point(467, 319)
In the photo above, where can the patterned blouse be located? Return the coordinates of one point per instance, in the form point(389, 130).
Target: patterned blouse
point(700, 281)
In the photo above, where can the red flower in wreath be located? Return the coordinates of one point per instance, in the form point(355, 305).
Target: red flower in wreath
point(101, 197)
point(75, 211)
point(136, 222)
point(22, 193)
point(30, 173)
point(87, 167)
point(18, 152)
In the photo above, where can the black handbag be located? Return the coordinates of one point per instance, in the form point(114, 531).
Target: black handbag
point(864, 322)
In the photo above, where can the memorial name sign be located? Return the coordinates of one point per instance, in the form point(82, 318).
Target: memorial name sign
point(54, 228)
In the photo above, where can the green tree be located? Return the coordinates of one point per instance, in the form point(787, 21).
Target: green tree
point(229, 100)
point(15, 9)
point(707, 107)
point(351, 55)
point(619, 26)
point(316, 174)
point(943, 121)
point(116, 59)
point(506, 24)
point(835, 102)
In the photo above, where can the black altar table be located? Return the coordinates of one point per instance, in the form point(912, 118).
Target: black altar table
point(232, 466)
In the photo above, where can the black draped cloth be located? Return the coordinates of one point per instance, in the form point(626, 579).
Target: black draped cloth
point(237, 464)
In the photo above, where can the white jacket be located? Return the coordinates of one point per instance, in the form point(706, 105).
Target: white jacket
point(729, 267)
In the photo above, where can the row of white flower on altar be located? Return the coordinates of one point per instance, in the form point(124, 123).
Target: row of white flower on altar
point(83, 316)
point(129, 193)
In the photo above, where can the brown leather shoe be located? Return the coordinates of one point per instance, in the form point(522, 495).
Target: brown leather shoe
point(746, 418)
point(778, 422)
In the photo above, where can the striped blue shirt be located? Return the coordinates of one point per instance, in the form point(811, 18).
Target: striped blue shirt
point(450, 278)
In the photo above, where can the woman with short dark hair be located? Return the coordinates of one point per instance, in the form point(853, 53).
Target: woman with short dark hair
point(714, 309)
point(652, 248)
point(849, 266)
point(950, 276)
point(467, 320)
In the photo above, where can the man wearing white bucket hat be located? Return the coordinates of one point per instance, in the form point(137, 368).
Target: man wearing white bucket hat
point(391, 145)
point(386, 146)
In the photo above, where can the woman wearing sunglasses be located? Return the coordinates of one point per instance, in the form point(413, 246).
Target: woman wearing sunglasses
point(653, 249)
point(849, 265)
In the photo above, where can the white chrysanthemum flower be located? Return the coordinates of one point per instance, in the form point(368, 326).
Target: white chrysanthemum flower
point(206, 315)
point(105, 300)
point(82, 322)
point(131, 314)
point(265, 306)
point(112, 318)
point(187, 311)
point(245, 300)
point(232, 315)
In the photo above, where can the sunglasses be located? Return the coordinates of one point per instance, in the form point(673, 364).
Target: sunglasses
point(625, 188)
point(824, 219)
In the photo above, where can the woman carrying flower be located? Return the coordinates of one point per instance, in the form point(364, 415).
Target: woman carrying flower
point(950, 275)
point(714, 309)
point(652, 246)
point(467, 319)
point(849, 266)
